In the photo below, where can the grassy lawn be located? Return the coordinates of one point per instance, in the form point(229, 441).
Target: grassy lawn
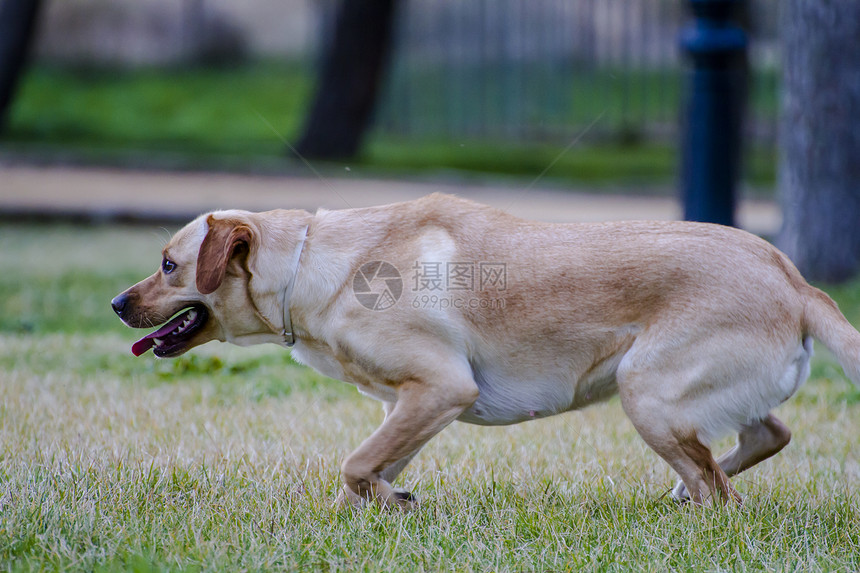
point(239, 116)
point(227, 458)
point(195, 111)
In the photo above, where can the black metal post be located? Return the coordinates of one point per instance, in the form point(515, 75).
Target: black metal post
point(715, 94)
point(17, 25)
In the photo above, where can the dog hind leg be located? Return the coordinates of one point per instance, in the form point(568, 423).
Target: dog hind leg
point(682, 449)
point(756, 442)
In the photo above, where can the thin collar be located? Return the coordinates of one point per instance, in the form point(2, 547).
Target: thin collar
point(287, 333)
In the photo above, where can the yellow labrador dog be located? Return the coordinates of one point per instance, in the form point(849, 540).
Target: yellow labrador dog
point(445, 310)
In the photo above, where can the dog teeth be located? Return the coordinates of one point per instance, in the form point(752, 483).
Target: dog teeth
point(157, 341)
point(189, 319)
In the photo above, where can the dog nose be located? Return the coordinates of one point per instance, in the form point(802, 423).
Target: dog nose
point(119, 303)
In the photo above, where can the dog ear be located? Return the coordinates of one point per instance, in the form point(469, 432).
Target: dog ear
point(219, 245)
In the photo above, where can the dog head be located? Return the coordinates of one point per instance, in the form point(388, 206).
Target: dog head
point(221, 277)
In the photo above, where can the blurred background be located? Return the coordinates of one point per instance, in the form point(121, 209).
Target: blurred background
point(576, 96)
point(508, 81)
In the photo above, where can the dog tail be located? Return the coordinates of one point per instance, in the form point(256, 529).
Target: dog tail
point(824, 321)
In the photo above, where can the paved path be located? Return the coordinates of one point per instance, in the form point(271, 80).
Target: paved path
point(96, 193)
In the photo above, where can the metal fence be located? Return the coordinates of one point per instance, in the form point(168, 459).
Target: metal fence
point(543, 70)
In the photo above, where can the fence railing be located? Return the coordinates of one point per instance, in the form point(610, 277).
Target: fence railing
point(542, 70)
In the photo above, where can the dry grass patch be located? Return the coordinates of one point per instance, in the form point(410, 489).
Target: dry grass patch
point(227, 459)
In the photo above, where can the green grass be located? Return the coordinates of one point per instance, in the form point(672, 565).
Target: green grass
point(531, 99)
point(197, 111)
point(238, 117)
point(227, 458)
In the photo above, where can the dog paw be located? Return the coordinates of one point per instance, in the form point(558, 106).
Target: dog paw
point(682, 496)
point(405, 495)
point(679, 493)
point(406, 500)
point(349, 499)
point(396, 498)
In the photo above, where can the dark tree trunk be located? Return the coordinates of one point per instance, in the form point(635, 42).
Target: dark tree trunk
point(353, 67)
point(17, 26)
point(819, 172)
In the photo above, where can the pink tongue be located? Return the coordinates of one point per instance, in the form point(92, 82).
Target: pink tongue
point(142, 346)
point(147, 341)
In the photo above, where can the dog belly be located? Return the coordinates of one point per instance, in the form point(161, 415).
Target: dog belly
point(511, 402)
point(510, 399)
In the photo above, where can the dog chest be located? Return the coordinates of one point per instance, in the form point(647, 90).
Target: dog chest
point(363, 374)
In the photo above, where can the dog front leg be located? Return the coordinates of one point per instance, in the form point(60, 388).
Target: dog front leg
point(422, 410)
point(390, 473)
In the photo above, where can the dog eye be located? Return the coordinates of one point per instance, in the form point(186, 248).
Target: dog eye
point(167, 266)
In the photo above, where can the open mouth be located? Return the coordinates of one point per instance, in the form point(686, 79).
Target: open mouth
point(173, 338)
